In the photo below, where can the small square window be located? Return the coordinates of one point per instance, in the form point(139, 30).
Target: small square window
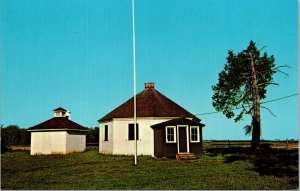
point(194, 134)
point(170, 134)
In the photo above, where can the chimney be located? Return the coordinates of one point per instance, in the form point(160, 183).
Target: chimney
point(149, 85)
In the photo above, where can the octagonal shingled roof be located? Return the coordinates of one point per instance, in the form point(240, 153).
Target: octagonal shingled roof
point(58, 123)
point(150, 103)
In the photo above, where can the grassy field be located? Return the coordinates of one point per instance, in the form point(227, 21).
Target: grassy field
point(230, 168)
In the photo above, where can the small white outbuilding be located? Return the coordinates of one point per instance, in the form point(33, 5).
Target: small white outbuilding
point(58, 135)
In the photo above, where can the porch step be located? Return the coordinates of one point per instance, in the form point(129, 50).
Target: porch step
point(186, 156)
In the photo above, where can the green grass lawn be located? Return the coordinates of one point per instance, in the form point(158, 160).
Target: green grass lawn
point(90, 170)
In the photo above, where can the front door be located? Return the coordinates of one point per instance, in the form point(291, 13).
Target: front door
point(182, 139)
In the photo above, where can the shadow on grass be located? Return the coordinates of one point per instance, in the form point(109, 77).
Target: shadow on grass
point(267, 161)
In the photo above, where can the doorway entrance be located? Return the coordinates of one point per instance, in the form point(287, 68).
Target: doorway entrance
point(182, 139)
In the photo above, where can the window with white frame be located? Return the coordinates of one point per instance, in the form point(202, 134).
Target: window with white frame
point(170, 134)
point(194, 134)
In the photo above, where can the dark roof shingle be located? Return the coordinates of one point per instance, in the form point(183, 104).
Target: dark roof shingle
point(150, 103)
point(178, 121)
point(58, 123)
point(59, 109)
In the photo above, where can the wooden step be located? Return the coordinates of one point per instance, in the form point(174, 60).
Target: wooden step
point(186, 156)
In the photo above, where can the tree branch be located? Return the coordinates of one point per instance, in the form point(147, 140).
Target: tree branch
point(268, 110)
point(262, 48)
point(243, 98)
point(244, 108)
point(245, 73)
point(276, 68)
point(268, 83)
point(282, 66)
point(282, 72)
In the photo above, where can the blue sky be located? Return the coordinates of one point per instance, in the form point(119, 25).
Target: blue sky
point(78, 55)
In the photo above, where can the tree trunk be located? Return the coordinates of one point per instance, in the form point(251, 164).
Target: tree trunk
point(255, 133)
point(256, 108)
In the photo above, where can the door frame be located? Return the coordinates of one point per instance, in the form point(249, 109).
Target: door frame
point(187, 138)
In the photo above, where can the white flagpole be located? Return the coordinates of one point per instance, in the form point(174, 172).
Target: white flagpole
point(134, 86)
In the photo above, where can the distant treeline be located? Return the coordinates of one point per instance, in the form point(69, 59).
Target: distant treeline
point(93, 135)
point(14, 135)
point(276, 140)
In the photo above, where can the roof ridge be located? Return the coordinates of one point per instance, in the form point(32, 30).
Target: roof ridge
point(175, 103)
point(59, 109)
point(126, 102)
